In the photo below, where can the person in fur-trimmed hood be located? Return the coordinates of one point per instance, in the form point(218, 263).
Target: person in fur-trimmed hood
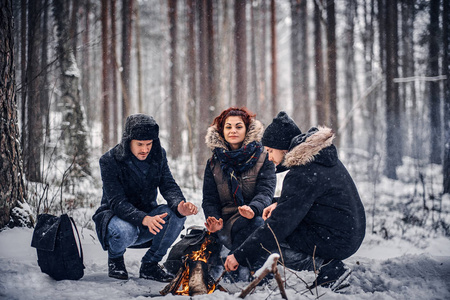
point(239, 180)
point(129, 215)
point(319, 213)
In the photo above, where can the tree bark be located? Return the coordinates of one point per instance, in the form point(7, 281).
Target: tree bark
point(175, 128)
point(433, 70)
point(446, 70)
point(106, 142)
point(33, 143)
point(273, 49)
point(321, 107)
point(127, 25)
point(12, 187)
point(241, 52)
point(332, 72)
point(393, 131)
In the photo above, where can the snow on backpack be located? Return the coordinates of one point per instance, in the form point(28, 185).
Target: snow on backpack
point(59, 251)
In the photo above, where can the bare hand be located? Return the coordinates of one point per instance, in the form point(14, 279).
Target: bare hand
point(213, 225)
point(187, 208)
point(154, 223)
point(267, 212)
point(231, 264)
point(246, 211)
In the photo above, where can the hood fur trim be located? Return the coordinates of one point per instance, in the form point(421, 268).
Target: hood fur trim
point(214, 140)
point(305, 152)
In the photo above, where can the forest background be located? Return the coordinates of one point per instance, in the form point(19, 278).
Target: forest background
point(376, 71)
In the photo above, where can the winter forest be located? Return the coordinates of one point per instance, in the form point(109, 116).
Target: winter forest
point(375, 71)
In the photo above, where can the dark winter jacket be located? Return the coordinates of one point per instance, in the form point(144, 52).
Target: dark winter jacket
point(129, 194)
point(319, 205)
point(258, 183)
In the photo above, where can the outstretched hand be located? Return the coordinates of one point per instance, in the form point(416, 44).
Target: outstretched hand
point(154, 223)
point(187, 208)
point(267, 212)
point(246, 211)
point(213, 225)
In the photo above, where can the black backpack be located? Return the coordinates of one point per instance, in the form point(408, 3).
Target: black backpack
point(191, 241)
point(59, 253)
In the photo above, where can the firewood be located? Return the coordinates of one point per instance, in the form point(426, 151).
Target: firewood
point(175, 283)
point(197, 284)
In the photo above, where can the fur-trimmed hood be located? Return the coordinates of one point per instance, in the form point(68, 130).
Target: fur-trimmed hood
point(305, 148)
point(213, 139)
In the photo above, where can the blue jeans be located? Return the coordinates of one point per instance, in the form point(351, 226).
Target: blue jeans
point(121, 235)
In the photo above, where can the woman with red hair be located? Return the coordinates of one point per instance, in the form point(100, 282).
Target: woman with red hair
point(239, 180)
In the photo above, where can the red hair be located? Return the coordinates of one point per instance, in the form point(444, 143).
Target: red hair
point(242, 112)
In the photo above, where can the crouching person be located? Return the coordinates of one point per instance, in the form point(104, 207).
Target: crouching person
point(129, 215)
point(319, 219)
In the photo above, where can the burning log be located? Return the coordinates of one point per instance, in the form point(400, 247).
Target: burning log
point(269, 267)
point(197, 280)
point(192, 278)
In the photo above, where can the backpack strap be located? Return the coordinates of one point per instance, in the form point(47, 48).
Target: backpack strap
point(80, 249)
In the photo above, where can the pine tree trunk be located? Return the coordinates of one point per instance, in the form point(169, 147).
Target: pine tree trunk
point(12, 187)
point(433, 70)
point(106, 142)
point(33, 143)
point(273, 48)
point(332, 72)
point(321, 107)
point(127, 25)
point(112, 77)
point(393, 137)
point(446, 70)
point(175, 128)
point(241, 52)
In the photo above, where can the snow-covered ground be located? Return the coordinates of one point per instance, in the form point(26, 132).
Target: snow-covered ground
point(403, 258)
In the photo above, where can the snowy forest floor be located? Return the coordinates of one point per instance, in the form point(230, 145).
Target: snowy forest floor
point(405, 255)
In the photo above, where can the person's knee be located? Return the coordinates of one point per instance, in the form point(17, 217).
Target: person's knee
point(119, 229)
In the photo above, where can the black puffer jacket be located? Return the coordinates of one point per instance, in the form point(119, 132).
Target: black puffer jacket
point(319, 205)
point(125, 194)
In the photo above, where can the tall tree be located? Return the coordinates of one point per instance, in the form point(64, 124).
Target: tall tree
point(33, 143)
point(74, 25)
point(321, 107)
point(253, 57)
point(12, 187)
point(86, 66)
point(300, 65)
point(74, 133)
point(45, 103)
point(265, 113)
point(410, 118)
point(393, 130)
point(105, 78)
point(112, 65)
point(446, 71)
point(23, 68)
point(127, 34)
point(191, 111)
point(175, 132)
point(204, 103)
point(241, 52)
point(273, 50)
point(331, 62)
point(139, 59)
point(433, 70)
point(350, 72)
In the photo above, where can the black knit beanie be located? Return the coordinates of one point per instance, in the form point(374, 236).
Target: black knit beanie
point(279, 133)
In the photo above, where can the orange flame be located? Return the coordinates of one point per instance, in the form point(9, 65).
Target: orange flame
point(199, 255)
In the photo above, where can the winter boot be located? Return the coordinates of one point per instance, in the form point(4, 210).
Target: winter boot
point(334, 275)
point(152, 271)
point(116, 268)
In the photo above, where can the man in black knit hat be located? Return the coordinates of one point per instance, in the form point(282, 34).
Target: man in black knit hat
point(129, 215)
point(319, 219)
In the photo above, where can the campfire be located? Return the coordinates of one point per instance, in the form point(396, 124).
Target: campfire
point(193, 277)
